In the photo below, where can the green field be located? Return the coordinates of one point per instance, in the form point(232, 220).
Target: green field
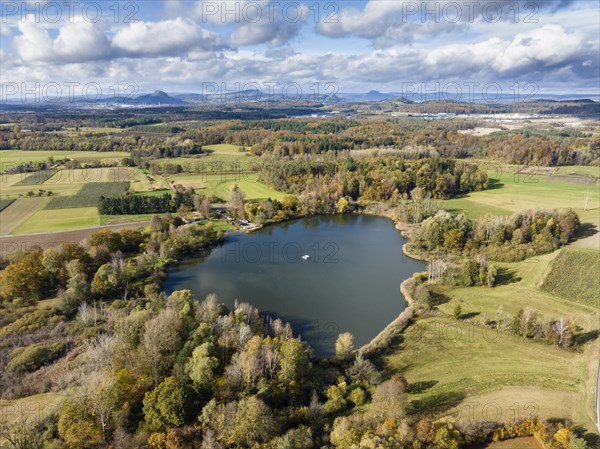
point(459, 362)
point(13, 157)
point(574, 274)
point(508, 194)
point(89, 195)
point(69, 182)
point(221, 185)
point(221, 157)
point(19, 212)
point(60, 220)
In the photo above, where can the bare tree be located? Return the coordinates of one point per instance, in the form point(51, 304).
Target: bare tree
point(436, 270)
point(562, 328)
point(97, 396)
point(84, 313)
point(528, 321)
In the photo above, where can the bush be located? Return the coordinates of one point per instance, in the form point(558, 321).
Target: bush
point(31, 358)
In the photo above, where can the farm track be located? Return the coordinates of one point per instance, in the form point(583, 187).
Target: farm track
point(11, 243)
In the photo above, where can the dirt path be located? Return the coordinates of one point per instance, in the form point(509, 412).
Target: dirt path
point(9, 244)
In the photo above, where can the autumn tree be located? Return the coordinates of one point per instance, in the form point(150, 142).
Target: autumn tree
point(167, 406)
point(236, 202)
point(26, 278)
point(344, 346)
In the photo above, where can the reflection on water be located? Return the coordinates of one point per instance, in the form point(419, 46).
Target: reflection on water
point(350, 281)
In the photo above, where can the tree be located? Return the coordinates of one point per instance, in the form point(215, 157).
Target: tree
point(562, 328)
point(389, 400)
point(166, 407)
point(447, 436)
point(26, 278)
point(342, 206)
point(161, 341)
point(236, 202)
point(78, 288)
point(344, 346)
point(457, 312)
point(254, 422)
point(294, 363)
point(105, 282)
point(201, 367)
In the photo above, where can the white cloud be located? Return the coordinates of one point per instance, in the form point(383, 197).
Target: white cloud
point(81, 41)
point(167, 37)
point(548, 46)
point(34, 44)
point(274, 29)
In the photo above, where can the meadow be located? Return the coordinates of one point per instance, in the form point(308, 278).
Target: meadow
point(510, 193)
point(220, 185)
point(221, 157)
point(456, 363)
point(50, 220)
point(19, 212)
point(14, 157)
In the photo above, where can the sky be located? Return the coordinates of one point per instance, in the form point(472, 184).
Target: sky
point(61, 47)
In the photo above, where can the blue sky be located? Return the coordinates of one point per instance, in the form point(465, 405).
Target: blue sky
point(181, 45)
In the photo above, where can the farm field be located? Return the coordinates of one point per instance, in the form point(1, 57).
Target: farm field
point(437, 356)
point(507, 369)
point(19, 212)
point(69, 182)
point(5, 203)
point(13, 157)
point(222, 157)
point(581, 268)
point(60, 219)
point(220, 185)
point(38, 177)
point(89, 195)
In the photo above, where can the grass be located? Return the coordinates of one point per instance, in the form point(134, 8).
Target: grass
point(118, 219)
point(69, 182)
point(60, 220)
point(14, 157)
point(452, 364)
point(89, 195)
point(587, 170)
point(220, 185)
point(508, 194)
point(516, 443)
point(574, 275)
point(221, 157)
point(19, 212)
point(29, 408)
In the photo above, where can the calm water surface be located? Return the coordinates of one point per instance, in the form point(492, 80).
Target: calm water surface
point(349, 283)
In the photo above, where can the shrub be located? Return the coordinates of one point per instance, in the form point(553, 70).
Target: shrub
point(31, 358)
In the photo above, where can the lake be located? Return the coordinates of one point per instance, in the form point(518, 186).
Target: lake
point(349, 283)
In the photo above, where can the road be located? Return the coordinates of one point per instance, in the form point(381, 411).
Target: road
point(9, 244)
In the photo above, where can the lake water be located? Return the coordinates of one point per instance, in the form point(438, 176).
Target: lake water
point(349, 283)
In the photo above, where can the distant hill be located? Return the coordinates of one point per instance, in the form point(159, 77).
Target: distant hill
point(158, 97)
point(373, 95)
